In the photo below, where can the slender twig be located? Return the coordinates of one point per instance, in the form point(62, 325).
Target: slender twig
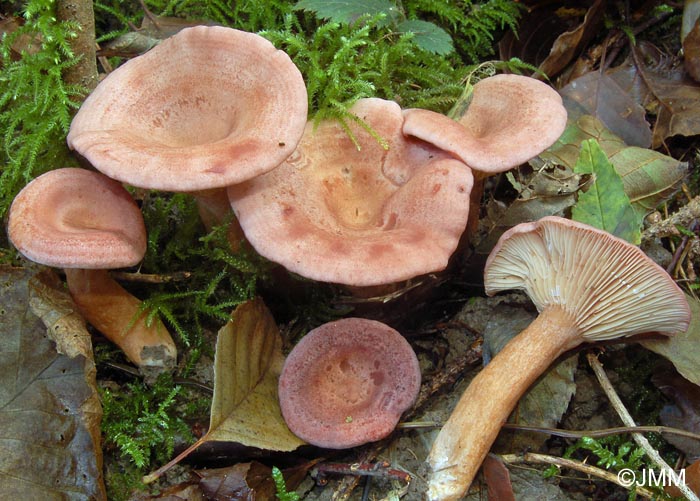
point(530, 457)
point(627, 419)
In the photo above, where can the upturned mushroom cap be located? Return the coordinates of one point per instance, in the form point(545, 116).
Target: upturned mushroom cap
point(510, 119)
point(609, 286)
point(206, 108)
point(75, 218)
point(362, 217)
point(347, 383)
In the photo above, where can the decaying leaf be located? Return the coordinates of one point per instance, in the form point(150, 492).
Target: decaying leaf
point(649, 177)
point(241, 481)
point(497, 479)
point(660, 84)
point(683, 412)
point(48, 406)
point(600, 96)
point(245, 407)
point(683, 350)
point(605, 205)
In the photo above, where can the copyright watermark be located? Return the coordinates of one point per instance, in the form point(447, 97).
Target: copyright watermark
point(661, 478)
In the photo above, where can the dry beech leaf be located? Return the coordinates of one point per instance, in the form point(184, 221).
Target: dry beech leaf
point(600, 96)
point(683, 410)
point(497, 478)
point(649, 177)
point(48, 406)
point(683, 350)
point(248, 362)
point(660, 84)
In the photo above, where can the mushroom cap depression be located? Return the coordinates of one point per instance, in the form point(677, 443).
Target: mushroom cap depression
point(609, 287)
point(75, 218)
point(347, 383)
point(207, 107)
point(368, 216)
point(510, 120)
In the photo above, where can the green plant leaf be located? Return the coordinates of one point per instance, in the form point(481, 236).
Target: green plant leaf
point(605, 205)
point(348, 11)
point(427, 36)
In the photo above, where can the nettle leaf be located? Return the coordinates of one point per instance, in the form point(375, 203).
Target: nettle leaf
point(348, 11)
point(605, 205)
point(428, 36)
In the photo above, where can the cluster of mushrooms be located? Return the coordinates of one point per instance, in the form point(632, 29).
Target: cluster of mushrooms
point(222, 114)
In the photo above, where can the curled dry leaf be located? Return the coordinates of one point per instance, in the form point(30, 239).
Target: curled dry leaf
point(48, 402)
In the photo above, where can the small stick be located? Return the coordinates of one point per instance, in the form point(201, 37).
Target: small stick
point(379, 469)
point(530, 457)
point(627, 420)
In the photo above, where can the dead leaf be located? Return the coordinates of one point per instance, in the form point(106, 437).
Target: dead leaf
point(248, 362)
point(564, 30)
point(600, 96)
point(683, 350)
point(684, 411)
point(691, 52)
point(659, 83)
point(242, 481)
point(692, 480)
point(497, 479)
point(649, 177)
point(48, 407)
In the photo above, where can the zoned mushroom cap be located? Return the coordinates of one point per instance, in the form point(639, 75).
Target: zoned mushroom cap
point(609, 286)
point(206, 108)
point(362, 217)
point(347, 383)
point(75, 218)
point(510, 120)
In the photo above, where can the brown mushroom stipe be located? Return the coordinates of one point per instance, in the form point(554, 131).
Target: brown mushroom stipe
point(206, 108)
point(347, 383)
point(588, 286)
point(510, 119)
point(85, 222)
point(363, 218)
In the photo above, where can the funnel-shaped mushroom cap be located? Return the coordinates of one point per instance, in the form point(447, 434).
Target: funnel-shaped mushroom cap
point(75, 218)
point(510, 119)
point(609, 287)
point(347, 383)
point(206, 108)
point(361, 217)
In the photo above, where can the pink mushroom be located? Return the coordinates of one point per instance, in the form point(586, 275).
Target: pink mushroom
point(347, 383)
point(86, 223)
point(360, 216)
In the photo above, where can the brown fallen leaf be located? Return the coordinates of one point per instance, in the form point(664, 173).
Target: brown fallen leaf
point(683, 412)
point(497, 478)
point(48, 405)
point(245, 407)
point(691, 52)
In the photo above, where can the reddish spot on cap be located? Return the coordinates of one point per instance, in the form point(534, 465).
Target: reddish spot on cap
point(347, 383)
point(405, 197)
point(206, 108)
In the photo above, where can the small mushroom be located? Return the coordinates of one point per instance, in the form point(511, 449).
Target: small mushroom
point(347, 383)
point(86, 223)
point(510, 120)
point(206, 108)
point(362, 215)
point(587, 286)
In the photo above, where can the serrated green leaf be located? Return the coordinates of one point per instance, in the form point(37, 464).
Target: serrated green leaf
point(605, 205)
point(348, 11)
point(428, 36)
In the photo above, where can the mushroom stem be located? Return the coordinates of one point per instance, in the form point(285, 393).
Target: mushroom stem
point(468, 434)
point(117, 314)
point(215, 209)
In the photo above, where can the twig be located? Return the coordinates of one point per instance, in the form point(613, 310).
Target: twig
point(531, 457)
point(151, 278)
point(627, 420)
point(381, 469)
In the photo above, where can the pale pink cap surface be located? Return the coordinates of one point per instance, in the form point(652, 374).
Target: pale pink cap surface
point(75, 218)
point(206, 108)
point(362, 217)
point(510, 120)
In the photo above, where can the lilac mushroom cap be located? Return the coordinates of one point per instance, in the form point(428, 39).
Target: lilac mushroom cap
point(206, 108)
point(364, 216)
point(347, 383)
